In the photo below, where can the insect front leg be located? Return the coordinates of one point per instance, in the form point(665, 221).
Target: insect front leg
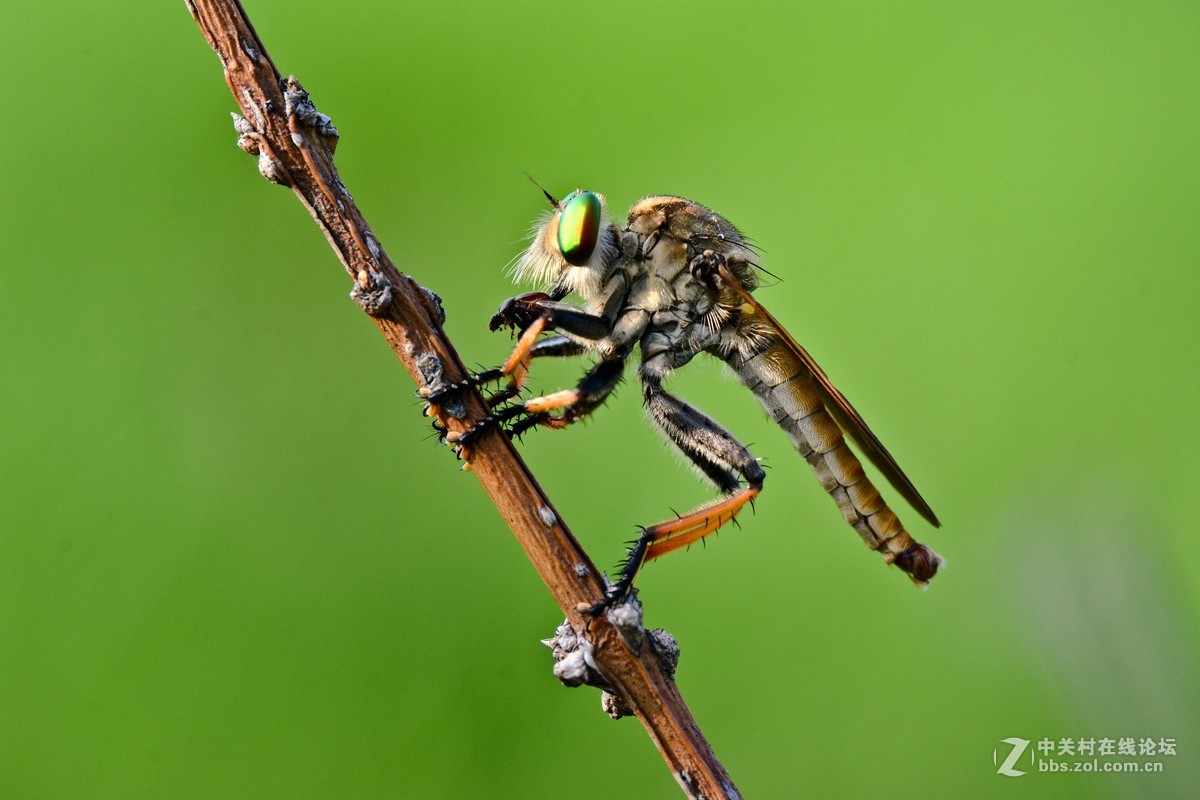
point(715, 452)
point(612, 340)
point(552, 347)
point(590, 393)
point(525, 312)
point(613, 346)
point(531, 313)
point(521, 312)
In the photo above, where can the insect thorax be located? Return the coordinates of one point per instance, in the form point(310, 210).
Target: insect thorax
point(687, 312)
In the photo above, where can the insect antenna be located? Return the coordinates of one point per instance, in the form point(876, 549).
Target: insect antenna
point(750, 244)
point(764, 270)
point(549, 196)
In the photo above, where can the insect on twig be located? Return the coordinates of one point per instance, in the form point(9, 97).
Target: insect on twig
point(675, 282)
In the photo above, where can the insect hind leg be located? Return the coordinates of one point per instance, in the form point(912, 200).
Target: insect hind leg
point(719, 456)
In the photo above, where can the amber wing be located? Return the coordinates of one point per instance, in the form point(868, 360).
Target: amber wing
point(839, 407)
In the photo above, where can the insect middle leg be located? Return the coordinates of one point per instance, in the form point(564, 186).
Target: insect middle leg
point(610, 335)
point(533, 314)
point(517, 365)
point(514, 368)
point(572, 405)
point(717, 454)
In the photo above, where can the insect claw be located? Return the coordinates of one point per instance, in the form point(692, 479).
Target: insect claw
point(503, 395)
point(596, 610)
point(433, 396)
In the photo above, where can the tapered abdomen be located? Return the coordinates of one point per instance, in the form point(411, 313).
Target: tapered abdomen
point(790, 396)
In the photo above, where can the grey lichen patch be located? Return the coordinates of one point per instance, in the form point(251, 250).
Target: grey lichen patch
point(436, 300)
point(667, 650)
point(626, 617)
point(241, 125)
point(431, 370)
point(250, 50)
point(272, 170)
point(430, 367)
point(372, 242)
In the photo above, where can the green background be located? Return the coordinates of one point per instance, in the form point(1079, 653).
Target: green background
point(234, 565)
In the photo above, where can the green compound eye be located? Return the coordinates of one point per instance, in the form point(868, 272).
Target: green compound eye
point(579, 228)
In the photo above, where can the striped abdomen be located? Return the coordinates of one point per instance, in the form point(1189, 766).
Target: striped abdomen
point(790, 396)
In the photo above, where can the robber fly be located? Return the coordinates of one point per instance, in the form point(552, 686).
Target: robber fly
point(675, 282)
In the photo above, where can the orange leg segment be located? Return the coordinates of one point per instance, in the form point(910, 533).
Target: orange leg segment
point(518, 363)
point(563, 399)
point(694, 526)
point(666, 537)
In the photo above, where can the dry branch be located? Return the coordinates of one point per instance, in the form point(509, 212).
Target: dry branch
point(294, 144)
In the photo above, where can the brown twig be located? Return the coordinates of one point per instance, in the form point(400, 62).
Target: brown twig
point(295, 144)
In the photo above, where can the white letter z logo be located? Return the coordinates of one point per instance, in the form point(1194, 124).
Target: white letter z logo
point(1018, 749)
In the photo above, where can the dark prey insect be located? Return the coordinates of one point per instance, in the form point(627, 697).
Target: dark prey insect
point(676, 281)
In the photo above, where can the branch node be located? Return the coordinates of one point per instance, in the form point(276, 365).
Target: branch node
point(614, 706)
point(372, 292)
point(252, 142)
point(298, 106)
point(574, 664)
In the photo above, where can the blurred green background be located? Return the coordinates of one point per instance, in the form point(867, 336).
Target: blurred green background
point(234, 565)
